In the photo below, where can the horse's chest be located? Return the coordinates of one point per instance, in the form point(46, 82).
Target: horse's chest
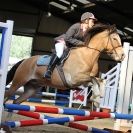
point(76, 73)
point(77, 66)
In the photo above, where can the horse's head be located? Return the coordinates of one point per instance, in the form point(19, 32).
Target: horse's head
point(105, 38)
point(113, 45)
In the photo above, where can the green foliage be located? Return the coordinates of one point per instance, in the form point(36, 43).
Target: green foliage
point(21, 47)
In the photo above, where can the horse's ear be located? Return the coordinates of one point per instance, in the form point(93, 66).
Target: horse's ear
point(114, 26)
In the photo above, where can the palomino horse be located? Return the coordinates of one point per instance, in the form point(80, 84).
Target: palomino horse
point(79, 69)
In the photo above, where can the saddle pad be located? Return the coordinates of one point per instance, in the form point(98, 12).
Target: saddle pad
point(43, 60)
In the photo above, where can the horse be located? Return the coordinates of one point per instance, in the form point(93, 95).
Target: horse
point(97, 85)
point(80, 68)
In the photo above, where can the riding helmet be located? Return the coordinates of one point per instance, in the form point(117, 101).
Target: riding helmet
point(87, 15)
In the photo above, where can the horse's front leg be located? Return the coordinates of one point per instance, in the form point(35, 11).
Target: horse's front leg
point(95, 87)
point(95, 98)
point(98, 90)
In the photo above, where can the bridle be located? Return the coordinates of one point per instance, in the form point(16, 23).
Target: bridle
point(113, 47)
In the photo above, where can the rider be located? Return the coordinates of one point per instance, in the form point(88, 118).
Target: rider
point(74, 36)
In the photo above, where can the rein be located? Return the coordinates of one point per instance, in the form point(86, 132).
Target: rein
point(94, 49)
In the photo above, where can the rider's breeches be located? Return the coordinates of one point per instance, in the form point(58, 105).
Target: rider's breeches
point(59, 48)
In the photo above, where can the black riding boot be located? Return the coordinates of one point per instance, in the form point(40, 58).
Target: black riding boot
point(54, 60)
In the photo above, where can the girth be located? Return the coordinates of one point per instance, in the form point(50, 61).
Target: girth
point(60, 66)
point(62, 76)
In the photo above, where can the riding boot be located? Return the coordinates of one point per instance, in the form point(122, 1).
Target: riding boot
point(54, 60)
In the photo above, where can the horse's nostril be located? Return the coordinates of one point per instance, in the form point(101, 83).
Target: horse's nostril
point(123, 55)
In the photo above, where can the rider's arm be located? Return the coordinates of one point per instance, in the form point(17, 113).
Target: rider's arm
point(70, 36)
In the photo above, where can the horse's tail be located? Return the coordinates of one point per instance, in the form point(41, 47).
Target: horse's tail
point(12, 71)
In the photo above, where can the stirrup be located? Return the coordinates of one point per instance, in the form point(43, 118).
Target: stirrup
point(48, 74)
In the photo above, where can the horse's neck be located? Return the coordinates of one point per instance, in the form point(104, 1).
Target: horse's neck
point(86, 55)
point(99, 41)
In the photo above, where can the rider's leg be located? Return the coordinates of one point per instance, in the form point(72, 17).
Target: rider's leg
point(59, 48)
point(54, 60)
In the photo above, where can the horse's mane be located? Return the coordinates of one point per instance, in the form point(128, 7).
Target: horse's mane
point(97, 28)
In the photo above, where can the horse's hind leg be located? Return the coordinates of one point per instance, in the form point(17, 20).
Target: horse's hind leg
point(11, 91)
point(29, 91)
point(16, 84)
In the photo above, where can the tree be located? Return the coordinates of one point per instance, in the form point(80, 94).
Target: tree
point(21, 47)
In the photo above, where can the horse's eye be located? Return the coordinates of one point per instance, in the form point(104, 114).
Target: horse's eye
point(115, 39)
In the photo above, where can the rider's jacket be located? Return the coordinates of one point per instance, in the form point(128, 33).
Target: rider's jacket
point(73, 37)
